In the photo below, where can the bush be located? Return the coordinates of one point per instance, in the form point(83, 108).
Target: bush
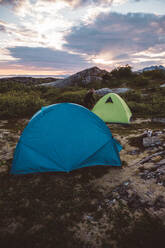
point(19, 104)
point(141, 81)
point(154, 108)
point(72, 96)
point(122, 72)
point(155, 74)
point(132, 96)
point(139, 108)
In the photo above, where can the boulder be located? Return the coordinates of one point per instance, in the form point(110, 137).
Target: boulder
point(162, 85)
point(151, 141)
point(120, 90)
point(160, 120)
point(103, 91)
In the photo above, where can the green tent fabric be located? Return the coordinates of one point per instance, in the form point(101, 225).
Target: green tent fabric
point(113, 109)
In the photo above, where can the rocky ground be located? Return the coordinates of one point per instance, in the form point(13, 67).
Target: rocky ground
point(92, 207)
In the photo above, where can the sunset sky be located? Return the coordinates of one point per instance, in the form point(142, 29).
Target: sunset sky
point(55, 37)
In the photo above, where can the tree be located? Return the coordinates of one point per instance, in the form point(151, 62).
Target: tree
point(122, 72)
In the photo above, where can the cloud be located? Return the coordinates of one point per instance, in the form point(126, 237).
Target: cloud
point(74, 3)
point(45, 58)
point(116, 37)
point(85, 28)
point(82, 2)
point(2, 28)
point(14, 3)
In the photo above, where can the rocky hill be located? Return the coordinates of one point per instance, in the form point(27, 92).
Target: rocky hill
point(84, 77)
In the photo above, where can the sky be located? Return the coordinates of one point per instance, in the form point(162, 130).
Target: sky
point(62, 37)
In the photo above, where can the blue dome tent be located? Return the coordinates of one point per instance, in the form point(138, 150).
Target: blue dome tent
point(64, 137)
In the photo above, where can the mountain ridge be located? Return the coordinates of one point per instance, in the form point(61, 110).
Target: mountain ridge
point(152, 68)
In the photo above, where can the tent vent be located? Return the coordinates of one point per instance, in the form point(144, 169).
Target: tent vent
point(109, 100)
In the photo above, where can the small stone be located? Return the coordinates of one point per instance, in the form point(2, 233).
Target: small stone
point(88, 217)
point(126, 183)
point(114, 200)
point(160, 184)
point(134, 152)
point(13, 227)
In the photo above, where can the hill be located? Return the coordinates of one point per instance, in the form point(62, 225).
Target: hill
point(87, 76)
point(28, 80)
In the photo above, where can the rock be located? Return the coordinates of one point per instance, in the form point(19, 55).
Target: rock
point(6, 133)
point(156, 159)
point(103, 91)
point(161, 162)
point(146, 159)
point(161, 170)
point(120, 90)
point(84, 77)
point(158, 133)
point(148, 175)
point(151, 141)
point(147, 166)
point(148, 133)
point(13, 227)
point(162, 85)
point(161, 177)
point(161, 120)
point(126, 183)
point(134, 152)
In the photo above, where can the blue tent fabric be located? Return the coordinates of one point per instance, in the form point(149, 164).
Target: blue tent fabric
point(64, 137)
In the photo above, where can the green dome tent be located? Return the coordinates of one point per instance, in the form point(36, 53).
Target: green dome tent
point(112, 108)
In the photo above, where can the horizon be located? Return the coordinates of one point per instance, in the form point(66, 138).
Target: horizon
point(62, 37)
point(57, 76)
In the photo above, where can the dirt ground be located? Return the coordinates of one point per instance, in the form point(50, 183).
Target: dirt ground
point(102, 207)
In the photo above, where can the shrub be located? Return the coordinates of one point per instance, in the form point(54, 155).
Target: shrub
point(132, 96)
point(72, 96)
point(141, 81)
point(155, 74)
point(19, 104)
point(139, 108)
point(122, 72)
